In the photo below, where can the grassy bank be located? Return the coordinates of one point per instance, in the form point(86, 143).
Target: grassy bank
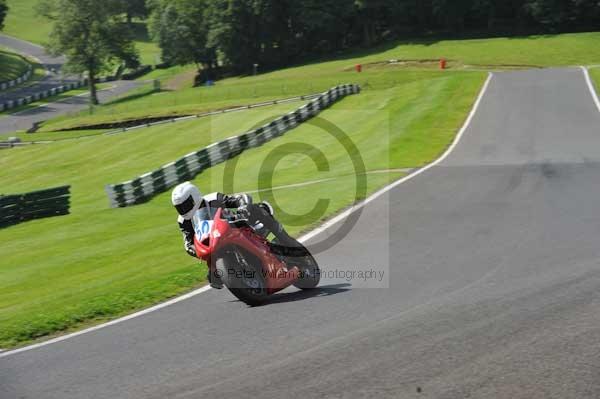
point(99, 263)
point(12, 66)
point(234, 92)
point(496, 53)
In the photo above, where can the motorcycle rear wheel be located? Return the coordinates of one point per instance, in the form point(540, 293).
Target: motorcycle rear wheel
point(242, 275)
point(310, 273)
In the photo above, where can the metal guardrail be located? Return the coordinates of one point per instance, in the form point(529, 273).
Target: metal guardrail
point(212, 113)
point(145, 187)
point(23, 78)
point(48, 93)
point(6, 144)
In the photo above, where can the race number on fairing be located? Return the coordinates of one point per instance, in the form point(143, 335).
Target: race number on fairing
point(202, 227)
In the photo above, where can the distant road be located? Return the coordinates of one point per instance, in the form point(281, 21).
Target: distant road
point(493, 260)
point(24, 120)
point(50, 81)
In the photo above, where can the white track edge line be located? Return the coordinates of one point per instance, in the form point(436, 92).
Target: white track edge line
point(304, 238)
point(390, 187)
point(107, 324)
point(590, 84)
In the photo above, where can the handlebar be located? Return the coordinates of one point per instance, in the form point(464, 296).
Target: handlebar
point(233, 218)
point(239, 223)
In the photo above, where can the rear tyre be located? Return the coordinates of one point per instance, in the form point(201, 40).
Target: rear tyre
point(242, 275)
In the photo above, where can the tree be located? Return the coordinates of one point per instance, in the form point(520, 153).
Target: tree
point(276, 33)
point(3, 12)
point(135, 8)
point(92, 35)
point(452, 14)
point(373, 17)
point(180, 28)
point(319, 26)
point(234, 31)
point(551, 13)
point(564, 14)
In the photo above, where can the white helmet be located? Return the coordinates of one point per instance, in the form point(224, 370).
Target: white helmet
point(186, 198)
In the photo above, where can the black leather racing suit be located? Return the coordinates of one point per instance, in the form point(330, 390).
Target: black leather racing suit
point(255, 214)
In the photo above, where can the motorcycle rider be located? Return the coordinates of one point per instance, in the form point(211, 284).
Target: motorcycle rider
point(187, 199)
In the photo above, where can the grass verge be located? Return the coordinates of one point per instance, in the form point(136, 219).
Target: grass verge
point(595, 75)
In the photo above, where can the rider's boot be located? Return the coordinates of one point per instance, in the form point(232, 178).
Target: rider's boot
point(215, 281)
point(289, 245)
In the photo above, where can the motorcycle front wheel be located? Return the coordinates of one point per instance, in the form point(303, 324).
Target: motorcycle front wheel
point(242, 274)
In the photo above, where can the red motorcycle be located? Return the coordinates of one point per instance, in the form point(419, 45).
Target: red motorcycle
point(250, 265)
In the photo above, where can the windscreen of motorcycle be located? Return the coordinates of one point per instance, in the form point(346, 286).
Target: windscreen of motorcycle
point(203, 223)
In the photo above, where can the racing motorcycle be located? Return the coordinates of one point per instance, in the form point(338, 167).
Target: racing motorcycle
point(250, 265)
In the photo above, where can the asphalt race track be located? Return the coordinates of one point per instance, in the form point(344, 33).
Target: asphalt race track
point(494, 263)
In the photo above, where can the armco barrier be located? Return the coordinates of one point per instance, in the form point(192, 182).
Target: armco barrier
point(15, 209)
point(206, 114)
point(12, 144)
point(18, 81)
point(48, 93)
point(151, 184)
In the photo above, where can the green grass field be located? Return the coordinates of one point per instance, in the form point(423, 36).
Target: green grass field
point(98, 262)
point(569, 49)
point(12, 66)
point(23, 23)
point(526, 51)
point(595, 75)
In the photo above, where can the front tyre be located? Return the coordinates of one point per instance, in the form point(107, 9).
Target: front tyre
point(242, 275)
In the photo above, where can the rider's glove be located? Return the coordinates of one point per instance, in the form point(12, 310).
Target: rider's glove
point(191, 251)
point(243, 213)
point(244, 200)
